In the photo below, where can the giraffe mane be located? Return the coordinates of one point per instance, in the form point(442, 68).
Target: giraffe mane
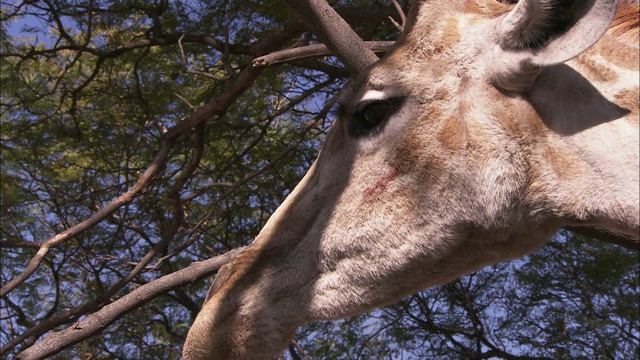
point(625, 25)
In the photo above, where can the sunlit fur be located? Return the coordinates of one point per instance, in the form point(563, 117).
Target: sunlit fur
point(494, 149)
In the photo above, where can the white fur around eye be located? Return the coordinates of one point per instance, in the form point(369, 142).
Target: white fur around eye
point(370, 95)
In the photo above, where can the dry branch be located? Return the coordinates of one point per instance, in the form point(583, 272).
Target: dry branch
point(334, 32)
point(98, 321)
point(403, 17)
point(627, 242)
point(314, 50)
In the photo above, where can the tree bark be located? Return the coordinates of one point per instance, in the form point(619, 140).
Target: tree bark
point(335, 33)
point(312, 51)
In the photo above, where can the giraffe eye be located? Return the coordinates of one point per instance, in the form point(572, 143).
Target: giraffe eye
point(371, 116)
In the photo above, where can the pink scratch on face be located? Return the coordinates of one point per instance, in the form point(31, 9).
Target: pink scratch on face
point(380, 185)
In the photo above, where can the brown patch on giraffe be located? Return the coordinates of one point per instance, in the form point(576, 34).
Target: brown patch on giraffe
point(415, 151)
point(435, 68)
point(450, 34)
point(534, 125)
point(452, 134)
point(628, 99)
point(565, 165)
point(510, 124)
point(464, 107)
point(490, 8)
point(595, 71)
point(517, 118)
point(441, 94)
point(618, 53)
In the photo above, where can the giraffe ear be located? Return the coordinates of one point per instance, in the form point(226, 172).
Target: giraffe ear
point(539, 33)
point(556, 30)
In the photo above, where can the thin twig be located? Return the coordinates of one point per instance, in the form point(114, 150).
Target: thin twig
point(184, 100)
point(403, 17)
point(189, 70)
point(309, 51)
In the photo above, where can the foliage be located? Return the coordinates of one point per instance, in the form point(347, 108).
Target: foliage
point(89, 90)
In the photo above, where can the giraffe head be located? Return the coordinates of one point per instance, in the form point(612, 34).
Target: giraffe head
point(464, 146)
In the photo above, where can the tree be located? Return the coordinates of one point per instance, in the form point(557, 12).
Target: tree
point(139, 137)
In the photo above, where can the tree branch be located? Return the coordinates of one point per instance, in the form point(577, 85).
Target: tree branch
point(217, 105)
point(625, 241)
point(334, 32)
point(98, 321)
point(312, 51)
point(121, 200)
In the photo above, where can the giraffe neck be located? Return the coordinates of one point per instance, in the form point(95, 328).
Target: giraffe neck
point(591, 108)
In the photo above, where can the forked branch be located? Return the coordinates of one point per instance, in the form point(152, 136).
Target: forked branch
point(147, 176)
point(403, 17)
point(216, 106)
point(335, 33)
point(98, 321)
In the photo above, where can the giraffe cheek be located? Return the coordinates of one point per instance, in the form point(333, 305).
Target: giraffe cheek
point(380, 185)
point(452, 134)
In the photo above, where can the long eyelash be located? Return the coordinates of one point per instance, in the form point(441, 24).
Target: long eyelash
point(337, 110)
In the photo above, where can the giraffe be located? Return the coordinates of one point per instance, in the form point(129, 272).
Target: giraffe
point(489, 127)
